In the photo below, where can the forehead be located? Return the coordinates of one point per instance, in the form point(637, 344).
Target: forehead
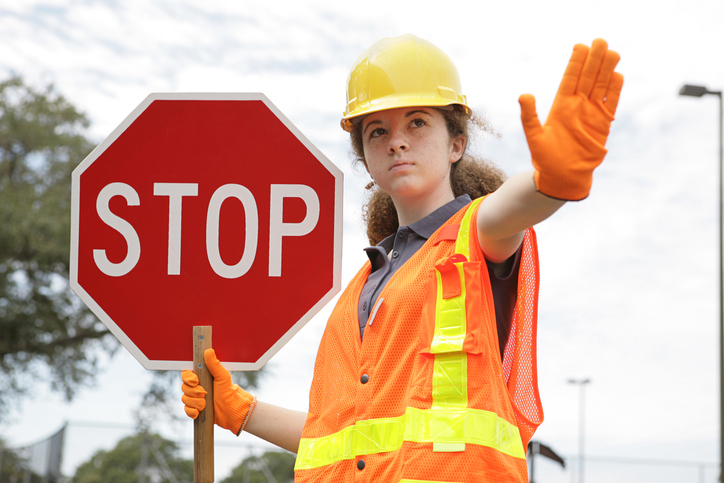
point(401, 112)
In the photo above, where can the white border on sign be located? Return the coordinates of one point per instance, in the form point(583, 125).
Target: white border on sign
point(75, 219)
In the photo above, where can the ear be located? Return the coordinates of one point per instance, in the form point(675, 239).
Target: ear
point(457, 149)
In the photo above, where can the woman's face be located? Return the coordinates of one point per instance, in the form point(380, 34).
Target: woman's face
point(408, 152)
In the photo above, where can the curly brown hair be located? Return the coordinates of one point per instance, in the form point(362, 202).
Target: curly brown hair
point(470, 175)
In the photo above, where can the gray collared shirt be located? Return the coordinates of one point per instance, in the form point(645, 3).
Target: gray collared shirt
point(405, 243)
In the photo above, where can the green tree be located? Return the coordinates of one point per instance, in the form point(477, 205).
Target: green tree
point(42, 324)
point(141, 457)
point(270, 467)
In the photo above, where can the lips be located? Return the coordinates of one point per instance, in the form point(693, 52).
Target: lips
point(400, 165)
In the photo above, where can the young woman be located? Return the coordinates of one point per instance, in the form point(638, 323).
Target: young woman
point(427, 369)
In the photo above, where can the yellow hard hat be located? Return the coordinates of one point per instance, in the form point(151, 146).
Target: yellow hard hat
point(401, 72)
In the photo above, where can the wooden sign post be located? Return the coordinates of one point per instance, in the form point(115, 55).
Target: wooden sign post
point(204, 424)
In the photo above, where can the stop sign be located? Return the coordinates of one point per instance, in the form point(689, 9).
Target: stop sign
point(206, 209)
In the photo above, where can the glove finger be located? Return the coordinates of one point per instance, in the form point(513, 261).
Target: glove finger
point(221, 375)
point(529, 116)
point(591, 67)
point(614, 92)
point(193, 391)
point(194, 402)
point(191, 412)
point(189, 378)
point(573, 70)
point(604, 76)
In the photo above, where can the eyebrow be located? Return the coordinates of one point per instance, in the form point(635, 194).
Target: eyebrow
point(411, 113)
point(368, 125)
point(416, 112)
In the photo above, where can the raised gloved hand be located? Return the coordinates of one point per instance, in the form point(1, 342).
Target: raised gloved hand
point(232, 404)
point(570, 145)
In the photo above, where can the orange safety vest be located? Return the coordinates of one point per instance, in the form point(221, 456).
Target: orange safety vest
point(426, 398)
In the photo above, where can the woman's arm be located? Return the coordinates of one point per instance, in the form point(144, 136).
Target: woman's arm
point(277, 425)
point(506, 213)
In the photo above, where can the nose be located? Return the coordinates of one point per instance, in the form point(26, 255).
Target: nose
point(398, 143)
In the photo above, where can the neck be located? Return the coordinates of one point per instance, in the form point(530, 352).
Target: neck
point(409, 211)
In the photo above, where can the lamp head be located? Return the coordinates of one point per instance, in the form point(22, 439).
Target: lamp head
point(694, 91)
point(579, 381)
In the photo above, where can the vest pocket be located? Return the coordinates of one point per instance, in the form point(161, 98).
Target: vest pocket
point(456, 307)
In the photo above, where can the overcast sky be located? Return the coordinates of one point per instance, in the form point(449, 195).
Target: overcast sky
point(629, 294)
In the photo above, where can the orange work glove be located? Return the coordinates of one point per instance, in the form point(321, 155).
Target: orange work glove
point(232, 404)
point(570, 145)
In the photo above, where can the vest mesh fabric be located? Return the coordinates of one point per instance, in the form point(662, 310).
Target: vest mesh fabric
point(519, 358)
point(400, 375)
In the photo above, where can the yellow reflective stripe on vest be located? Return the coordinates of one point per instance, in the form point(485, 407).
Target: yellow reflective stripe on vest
point(462, 243)
point(372, 436)
point(450, 381)
point(450, 373)
point(450, 327)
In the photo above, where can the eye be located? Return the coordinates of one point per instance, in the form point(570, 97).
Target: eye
point(418, 122)
point(377, 132)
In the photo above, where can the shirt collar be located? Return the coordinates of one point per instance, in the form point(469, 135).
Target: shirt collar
point(428, 225)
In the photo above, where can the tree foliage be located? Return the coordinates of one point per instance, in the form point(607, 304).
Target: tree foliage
point(42, 138)
point(258, 469)
point(141, 457)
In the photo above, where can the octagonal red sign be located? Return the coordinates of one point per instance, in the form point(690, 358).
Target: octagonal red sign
point(206, 209)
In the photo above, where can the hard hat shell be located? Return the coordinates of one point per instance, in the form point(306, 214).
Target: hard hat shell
point(397, 72)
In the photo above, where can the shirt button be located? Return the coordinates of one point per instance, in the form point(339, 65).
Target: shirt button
point(364, 378)
point(395, 254)
point(361, 465)
point(401, 234)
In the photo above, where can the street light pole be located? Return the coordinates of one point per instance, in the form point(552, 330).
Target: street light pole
point(698, 91)
point(581, 420)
